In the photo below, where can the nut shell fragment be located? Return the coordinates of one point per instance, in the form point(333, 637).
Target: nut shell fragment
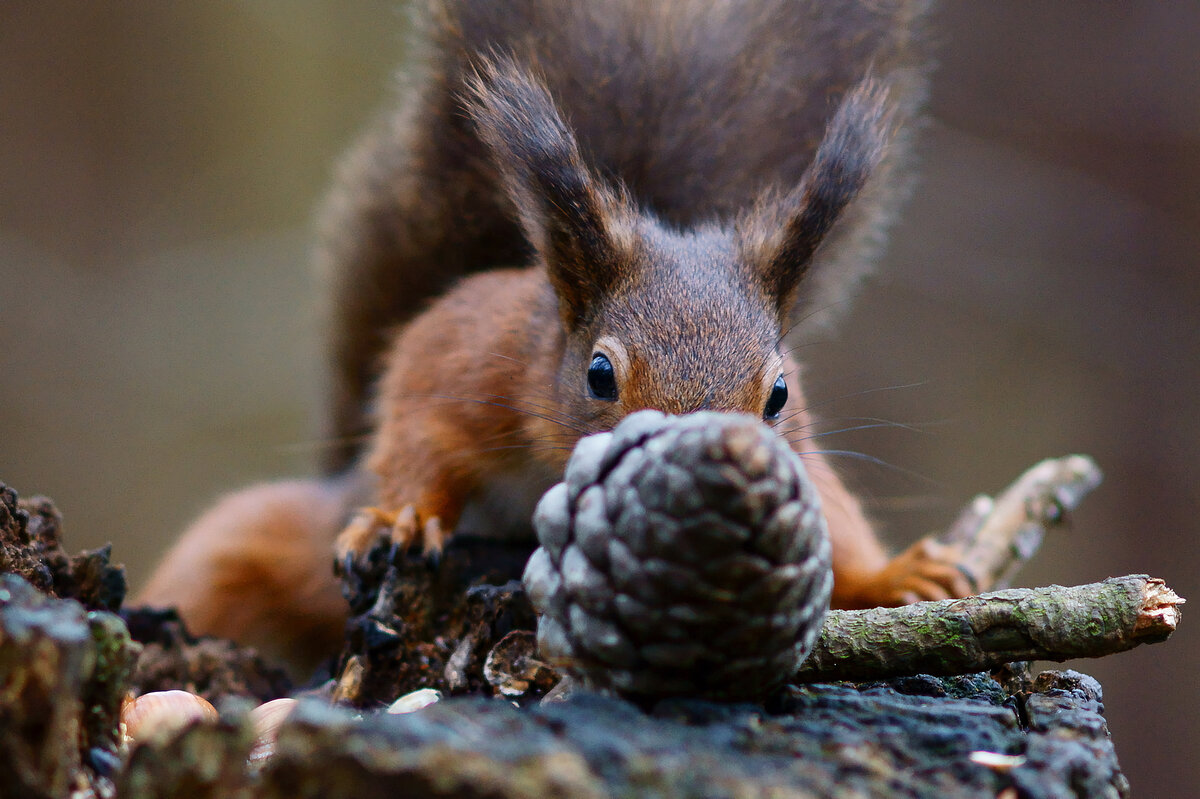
point(161, 713)
point(266, 719)
point(415, 700)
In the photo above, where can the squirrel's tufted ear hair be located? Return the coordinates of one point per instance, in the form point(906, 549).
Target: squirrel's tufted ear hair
point(778, 237)
point(579, 226)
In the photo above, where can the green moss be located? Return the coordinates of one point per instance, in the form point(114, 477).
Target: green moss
point(113, 658)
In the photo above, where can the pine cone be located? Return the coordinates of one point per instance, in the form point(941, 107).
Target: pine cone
point(681, 556)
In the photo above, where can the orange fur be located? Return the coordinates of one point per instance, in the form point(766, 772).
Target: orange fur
point(257, 568)
point(673, 178)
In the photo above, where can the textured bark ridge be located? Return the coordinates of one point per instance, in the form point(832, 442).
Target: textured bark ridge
point(918, 737)
point(63, 673)
point(31, 546)
point(210, 667)
point(415, 626)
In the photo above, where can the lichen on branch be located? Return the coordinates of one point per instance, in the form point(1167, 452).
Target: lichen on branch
point(960, 636)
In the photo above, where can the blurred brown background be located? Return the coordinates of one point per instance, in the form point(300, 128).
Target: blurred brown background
point(159, 163)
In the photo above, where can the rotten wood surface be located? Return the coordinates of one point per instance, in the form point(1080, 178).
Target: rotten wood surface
point(919, 737)
point(971, 735)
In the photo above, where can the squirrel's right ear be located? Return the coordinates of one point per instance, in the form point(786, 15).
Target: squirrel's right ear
point(577, 224)
point(780, 236)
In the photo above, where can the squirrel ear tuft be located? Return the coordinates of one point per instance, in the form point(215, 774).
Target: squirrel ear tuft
point(779, 237)
point(577, 225)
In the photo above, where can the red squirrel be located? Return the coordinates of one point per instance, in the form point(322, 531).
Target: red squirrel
point(576, 210)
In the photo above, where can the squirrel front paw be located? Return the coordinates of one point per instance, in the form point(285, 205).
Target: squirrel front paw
point(403, 529)
point(927, 570)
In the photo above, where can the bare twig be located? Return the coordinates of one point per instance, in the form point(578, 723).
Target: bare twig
point(960, 636)
point(998, 536)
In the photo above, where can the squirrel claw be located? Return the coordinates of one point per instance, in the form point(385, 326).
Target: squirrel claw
point(434, 537)
point(403, 529)
point(357, 538)
point(407, 529)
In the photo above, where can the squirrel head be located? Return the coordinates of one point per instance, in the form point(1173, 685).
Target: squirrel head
point(654, 317)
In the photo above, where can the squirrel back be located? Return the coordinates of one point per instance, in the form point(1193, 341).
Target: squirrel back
point(695, 109)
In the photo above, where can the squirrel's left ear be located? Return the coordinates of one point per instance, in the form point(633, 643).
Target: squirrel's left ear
point(578, 225)
point(778, 237)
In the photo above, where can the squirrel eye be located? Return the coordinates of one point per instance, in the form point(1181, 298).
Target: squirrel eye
point(776, 401)
point(602, 380)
